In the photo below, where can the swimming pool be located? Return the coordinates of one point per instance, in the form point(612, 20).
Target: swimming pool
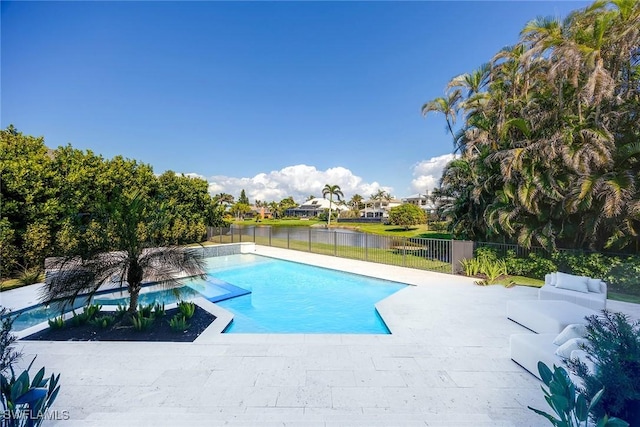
point(288, 297)
point(268, 295)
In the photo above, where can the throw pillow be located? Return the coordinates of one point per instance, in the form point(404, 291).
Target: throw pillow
point(575, 330)
point(571, 282)
point(593, 285)
point(565, 349)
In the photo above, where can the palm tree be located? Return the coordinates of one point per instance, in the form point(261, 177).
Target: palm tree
point(446, 105)
point(128, 254)
point(331, 190)
point(224, 199)
point(355, 202)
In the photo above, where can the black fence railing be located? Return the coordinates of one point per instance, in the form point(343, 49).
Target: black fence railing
point(427, 254)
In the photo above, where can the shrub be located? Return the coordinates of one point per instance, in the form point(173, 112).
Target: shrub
point(141, 323)
point(7, 354)
point(571, 408)
point(187, 309)
point(407, 215)
point(88, 313)
point(29, 276)
point(25, 401)
point(493, 269)
point(158, 310)
point(121, 310)
point(178, 323)
point(145, 310)
point(57, 322)
point(102, 321)
point(614, 347)
point(471, 266)
point(624, 275)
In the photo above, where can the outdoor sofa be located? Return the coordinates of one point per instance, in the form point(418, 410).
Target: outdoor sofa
point(529, 349)
point(581, 290)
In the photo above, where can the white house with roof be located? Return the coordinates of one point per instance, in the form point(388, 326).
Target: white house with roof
point(423, 201)
point(378, 208)
point(314, 207)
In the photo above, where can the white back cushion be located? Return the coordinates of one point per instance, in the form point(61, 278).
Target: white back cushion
point(594, 285)
point(571, 331)
point(572, 283)
point(573, 344)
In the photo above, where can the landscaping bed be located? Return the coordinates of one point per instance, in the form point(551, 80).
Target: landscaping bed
point(159, 330)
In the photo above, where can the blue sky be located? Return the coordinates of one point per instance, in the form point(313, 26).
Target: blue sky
point(277, 98)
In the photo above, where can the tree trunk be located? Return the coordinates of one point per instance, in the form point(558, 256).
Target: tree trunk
point(134, 292)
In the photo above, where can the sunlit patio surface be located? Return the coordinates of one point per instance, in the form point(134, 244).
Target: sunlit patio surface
point(445, 364)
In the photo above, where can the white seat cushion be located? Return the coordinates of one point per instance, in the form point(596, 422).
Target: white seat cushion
point(547, 316)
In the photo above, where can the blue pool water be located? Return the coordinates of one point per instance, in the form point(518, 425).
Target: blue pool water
point(288, 297)
point(268, 296)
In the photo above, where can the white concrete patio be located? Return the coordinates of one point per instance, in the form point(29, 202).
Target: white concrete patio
point(446, 364)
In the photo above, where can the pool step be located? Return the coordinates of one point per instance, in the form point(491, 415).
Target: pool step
point(233, 291)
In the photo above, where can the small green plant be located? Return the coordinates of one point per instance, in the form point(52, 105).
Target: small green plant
point(88, 313)
point(79, 319)
point(102, 322)
point(471, 266)
point(141, 323)
point(187, 309)
point(29, 276)
point(25, 401)
point(145, 310)
point(178, 323)
point(121, 310)
point(158, 310)
point(569, 406)
point(92, 310)
point(56, 322)
point(493, 269)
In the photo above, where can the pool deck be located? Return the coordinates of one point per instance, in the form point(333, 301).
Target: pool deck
point(446, 364)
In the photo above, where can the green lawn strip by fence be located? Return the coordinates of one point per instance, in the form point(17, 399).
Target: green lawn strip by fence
point(383, 256)
point(623, 297)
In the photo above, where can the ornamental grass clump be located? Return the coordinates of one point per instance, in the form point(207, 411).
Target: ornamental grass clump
point(178, 323)
point(187, 309)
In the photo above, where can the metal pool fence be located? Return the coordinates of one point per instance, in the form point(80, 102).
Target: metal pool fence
point(428, 254)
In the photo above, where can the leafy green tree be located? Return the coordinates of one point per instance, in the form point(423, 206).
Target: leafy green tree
point(243, 198)
point(407, 215)
point(286, 203)
point(239, 209)
point(331, 190)
point(128, 251)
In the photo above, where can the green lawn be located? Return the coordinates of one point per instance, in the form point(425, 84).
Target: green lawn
point(372, 228)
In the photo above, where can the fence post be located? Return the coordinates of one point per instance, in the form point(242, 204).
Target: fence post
point(254, 234)
point(309, 239)
point(270, 235)
point(335, 243)
point(460, 249)
point(288, 237)
point(404, 251)
point(366, 246)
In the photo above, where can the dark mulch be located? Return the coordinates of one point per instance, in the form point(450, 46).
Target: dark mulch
point(159, 331)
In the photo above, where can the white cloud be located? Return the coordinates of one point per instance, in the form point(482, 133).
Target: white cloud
point(299, 181)
point(427, 173)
